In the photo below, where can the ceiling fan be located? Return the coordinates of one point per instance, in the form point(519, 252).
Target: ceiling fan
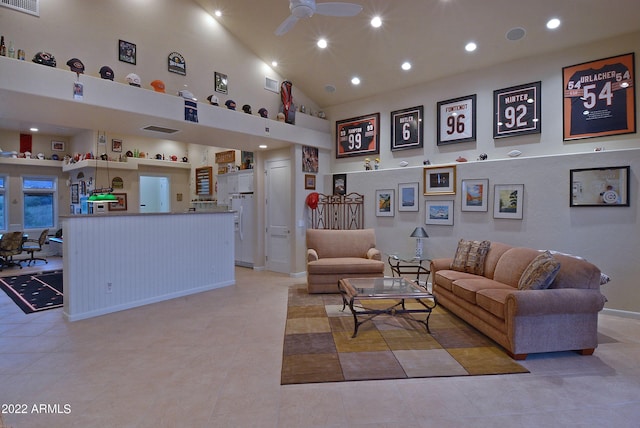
point(306, 8)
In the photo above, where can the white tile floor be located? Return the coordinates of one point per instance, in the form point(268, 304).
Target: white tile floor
point(213, 360)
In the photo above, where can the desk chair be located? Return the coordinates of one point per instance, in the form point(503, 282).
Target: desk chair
point(10, 245)
point(33, 245)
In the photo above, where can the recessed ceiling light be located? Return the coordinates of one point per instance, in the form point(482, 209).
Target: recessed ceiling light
point(33, 129)
point(553, 23)
point(406, 65)
point(322, 43)
point(274, 63)
point(218, 13)
point(470, 47)
point(262, 146)
point(376, 22)
point(355, 80)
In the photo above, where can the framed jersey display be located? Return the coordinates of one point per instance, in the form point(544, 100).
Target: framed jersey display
point(599, 98)
point(358, 136)
point(406, 128)
point(457, 120)
point(516, 110)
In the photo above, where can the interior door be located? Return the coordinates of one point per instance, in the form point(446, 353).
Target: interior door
point(154, 194)
point(278, 210)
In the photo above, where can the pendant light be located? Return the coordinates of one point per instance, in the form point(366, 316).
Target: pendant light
point(103, 194)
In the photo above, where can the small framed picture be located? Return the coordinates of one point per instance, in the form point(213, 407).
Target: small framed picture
point(57, 146)
point(127, 52)
point(439, 213)
point(599, 187)
point(406, 128)
point(439, 180)
point(457, 120)
point(221, 82)
point(408, 196)
point(385, 200)
point(75, 196)
point(339, 184)
point(310, 182)
point(121, 205)
point(475, 195)
point(116, 145)
point(309, 159)
point(508, 201)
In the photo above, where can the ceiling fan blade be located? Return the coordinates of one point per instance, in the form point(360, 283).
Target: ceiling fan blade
point(338, 9)
point(286, 25)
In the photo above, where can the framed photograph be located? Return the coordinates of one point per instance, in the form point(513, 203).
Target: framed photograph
point(517, 110)
point(439, 212)
point(57, 146)
point(438, 180)
point(385, 203)
point(600, 187)
point(358, 136)
point(475, 195)
point(310, 182)
point(75, 196)
point(221, 83)
point(127, 52)
point(407, 129)
point(176, 64)
point(309, 159)
point(599, 98)
point(121, 205)
point(508, 201)
point(408, 196)
point(457, 120)
point(116, 145)
point(339, 184)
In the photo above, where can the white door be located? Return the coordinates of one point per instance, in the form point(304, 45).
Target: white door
point(154, 194)
point(278, 209)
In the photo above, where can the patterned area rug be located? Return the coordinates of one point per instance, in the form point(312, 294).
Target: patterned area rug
point(318, 346)
point(36, 292)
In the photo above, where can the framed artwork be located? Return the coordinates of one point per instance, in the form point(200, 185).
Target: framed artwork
point(75, 196)
point(385, 201)
point(309, 159)
point(508, 201)
point(599, 98)
point(176, 64)
point(408, 196)
point(406, 128)
point(57, 146)
point(127, 52)
point(116, 145)
point(475, 194)
point(247, 159)
point(339, 184)
point(457, 120)
point(310, 182)
point(221, 83)
point(121, 205)
point(439, 180)
point(439, 212)
point(517, 110)
point(358, 136)
point(599, 187)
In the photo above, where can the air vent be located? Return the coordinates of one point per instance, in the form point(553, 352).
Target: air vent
point(160, 129)
point(271, 85)
point(32, 7)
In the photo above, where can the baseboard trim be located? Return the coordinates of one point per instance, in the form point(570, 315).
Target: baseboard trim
point(622, 314)
point(298, 274)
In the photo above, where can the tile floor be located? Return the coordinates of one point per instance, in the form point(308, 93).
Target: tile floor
point(213, 360)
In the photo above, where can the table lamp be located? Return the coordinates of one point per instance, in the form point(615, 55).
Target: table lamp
point(419, 233)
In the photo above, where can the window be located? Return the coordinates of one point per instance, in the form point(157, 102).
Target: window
point(39, 196)
point(3, 209)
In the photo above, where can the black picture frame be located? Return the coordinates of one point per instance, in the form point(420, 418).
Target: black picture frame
point(457, 120)
point(358, 136)
point(75, 196)
point(407, 130)
point(600, 187)
point(339, 184)
point(176, 64)
point(517, 110)
point(221, 83)
point(127, 52)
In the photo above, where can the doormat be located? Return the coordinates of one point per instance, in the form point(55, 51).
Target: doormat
point(318, 346)
point(35, 292)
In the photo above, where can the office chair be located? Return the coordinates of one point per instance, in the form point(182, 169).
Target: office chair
point(10, 245)
point(33, 245)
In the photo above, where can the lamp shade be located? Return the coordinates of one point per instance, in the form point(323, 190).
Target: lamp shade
point(419, 232)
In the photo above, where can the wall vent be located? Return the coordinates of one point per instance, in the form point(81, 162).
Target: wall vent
point(155, 128)
point(32, 7)
point(271, 85)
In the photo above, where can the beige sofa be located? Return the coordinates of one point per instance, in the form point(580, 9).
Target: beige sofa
point(486, 294)
point(336, 254)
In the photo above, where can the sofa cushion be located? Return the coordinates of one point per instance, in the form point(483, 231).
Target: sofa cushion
point(540, 273)
point(493, 300)
point(470, 256)
point(466, 288)
point(445, 278)
point(351, 265)
point(512, 264)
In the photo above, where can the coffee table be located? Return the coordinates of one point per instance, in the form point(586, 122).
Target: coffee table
point(355, 291)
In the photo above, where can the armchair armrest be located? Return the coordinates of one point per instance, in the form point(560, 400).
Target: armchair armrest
point(554, 301)
point(440, 264)
point(374, 254)
point(312, 255)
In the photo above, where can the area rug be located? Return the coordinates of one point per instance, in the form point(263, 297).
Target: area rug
point(35, 292)
point(318, 346)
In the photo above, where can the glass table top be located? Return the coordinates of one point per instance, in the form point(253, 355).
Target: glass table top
point(387, 287)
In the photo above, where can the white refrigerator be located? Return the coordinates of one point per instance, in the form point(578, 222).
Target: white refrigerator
point(244, 222)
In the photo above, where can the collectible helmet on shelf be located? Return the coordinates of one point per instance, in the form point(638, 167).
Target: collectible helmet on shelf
point(44, 58)
point(76, 65)
point(133, 79)
point(106, 72)
point(312, 200)
point(158, 86)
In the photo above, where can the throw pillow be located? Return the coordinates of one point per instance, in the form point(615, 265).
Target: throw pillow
point(540, 273)
point(470, 256)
